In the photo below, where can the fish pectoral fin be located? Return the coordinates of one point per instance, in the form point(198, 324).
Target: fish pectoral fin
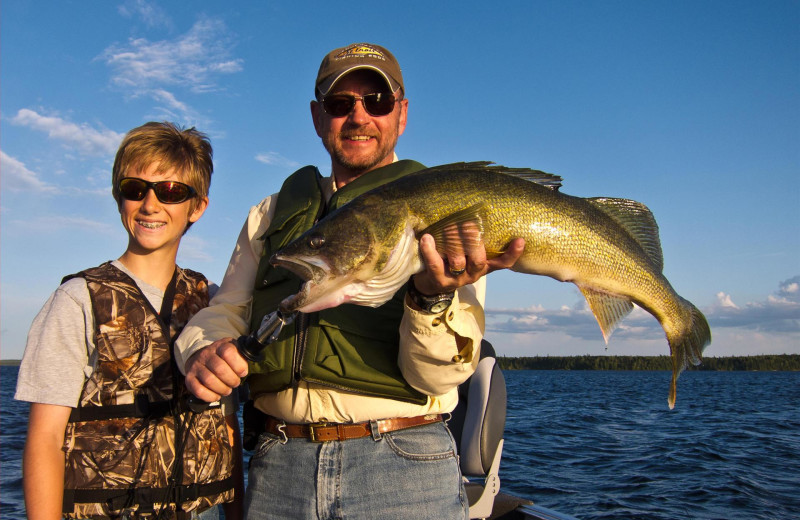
point(451, 234)
point(607, 308)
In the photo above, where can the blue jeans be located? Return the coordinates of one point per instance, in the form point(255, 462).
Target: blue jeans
point(411, 473)
point(212, 513)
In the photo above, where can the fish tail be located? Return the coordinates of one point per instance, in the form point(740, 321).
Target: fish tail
point(687, 345)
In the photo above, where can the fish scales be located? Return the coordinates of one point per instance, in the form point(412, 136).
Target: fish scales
point(565, 235)
point(365, 251)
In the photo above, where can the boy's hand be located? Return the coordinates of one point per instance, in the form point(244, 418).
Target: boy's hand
point(215, 370)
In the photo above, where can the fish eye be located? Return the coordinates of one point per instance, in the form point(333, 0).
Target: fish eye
point(316, 241)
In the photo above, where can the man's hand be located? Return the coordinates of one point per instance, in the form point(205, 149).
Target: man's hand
point(215, 370)
point(464, 262)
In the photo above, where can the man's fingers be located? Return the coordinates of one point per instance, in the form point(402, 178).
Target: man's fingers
point(234, 359)
point(215, 370)
point(433, 262)
point(509, 257)
point(199, 389)
point(464, 264)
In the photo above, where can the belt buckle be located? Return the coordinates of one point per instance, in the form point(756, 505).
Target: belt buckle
point(312, 429)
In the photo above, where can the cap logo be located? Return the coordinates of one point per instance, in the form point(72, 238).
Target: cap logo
point(360, 51)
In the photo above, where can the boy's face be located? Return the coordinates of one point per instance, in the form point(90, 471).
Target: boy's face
point(152, 225)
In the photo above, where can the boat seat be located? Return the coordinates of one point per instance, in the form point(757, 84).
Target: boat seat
point(477, 424)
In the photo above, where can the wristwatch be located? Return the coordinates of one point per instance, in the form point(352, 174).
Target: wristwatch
point(431, 304)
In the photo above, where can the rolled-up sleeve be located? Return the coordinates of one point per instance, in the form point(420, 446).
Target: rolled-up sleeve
point(228, 313)
point(440, 351)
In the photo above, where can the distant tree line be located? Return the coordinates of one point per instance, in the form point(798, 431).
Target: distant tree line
point(783, 362)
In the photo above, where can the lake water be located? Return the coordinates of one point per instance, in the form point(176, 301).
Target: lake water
point(604, 445)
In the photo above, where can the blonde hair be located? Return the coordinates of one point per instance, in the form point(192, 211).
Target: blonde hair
point(187, 151)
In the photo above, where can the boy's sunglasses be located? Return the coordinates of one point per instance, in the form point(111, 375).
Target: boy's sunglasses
point(167, 192)
point(340, 105)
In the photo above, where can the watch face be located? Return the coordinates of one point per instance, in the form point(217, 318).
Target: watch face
point(439, 306)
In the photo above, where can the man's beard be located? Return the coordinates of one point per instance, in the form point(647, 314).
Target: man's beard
point(362, 163)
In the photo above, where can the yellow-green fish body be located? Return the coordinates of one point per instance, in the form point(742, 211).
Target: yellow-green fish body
point(365, 251)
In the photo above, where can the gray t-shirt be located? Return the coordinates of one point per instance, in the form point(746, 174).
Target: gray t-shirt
point(60, 354)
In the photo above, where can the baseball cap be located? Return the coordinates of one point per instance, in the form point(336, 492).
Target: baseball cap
point(340, 61)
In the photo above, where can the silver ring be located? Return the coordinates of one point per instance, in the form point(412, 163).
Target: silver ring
point(457, 272)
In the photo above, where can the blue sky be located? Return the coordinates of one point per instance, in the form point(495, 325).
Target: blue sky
point(691, 107)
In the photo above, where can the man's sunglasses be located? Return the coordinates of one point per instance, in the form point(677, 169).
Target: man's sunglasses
point(167, 192)
point(340, 105)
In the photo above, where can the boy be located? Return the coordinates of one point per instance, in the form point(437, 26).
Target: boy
point(109, 433)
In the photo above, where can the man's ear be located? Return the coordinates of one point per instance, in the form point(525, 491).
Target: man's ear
point(199, 209)
point(316, 114)
point(401, 122)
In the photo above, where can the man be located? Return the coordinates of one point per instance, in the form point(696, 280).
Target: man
point(370, 384)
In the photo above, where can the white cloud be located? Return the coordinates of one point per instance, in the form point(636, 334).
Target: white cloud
point(576, 322)
point(193, 248)
point(80, 137)
point(778, 313)
point(166, 69)
point(16, 177)
point(152, 14)
point(48, 225)
point(790, 289)
point(724, 300)
point(274, 158)
point(191, 61)
point(170, 99)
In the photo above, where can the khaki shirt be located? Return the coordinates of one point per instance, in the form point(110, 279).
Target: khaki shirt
point(437, 352)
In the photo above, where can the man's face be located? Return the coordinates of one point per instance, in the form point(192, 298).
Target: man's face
point(360, 142)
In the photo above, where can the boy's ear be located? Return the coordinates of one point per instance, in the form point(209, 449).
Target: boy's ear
point(200, 208)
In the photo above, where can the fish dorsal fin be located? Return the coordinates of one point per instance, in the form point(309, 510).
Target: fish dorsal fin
point(545, 179)
point(548, 180)
point(446, 231)
point(607, 308)
point(637, 220)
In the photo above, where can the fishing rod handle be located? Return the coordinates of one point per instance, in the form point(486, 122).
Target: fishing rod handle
point(252, 347)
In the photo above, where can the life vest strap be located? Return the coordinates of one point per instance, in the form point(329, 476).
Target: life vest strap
point(140, 408)
point(145, 498)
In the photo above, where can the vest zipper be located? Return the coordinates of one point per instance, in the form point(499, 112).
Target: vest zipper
point(299, 344)
point(302, 320)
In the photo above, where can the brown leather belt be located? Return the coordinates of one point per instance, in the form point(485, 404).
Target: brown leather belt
point(324, 432)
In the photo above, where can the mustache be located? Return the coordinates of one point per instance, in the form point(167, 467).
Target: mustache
point(358, 131)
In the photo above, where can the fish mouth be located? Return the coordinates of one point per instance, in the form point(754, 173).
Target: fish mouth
point(321, 290)
point(311, 270)
point(308, 269)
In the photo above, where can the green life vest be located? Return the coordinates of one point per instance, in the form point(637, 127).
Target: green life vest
point(349, 347)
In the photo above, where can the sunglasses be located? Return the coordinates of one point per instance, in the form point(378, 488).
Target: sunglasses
point(167, 192)
point(340, 105)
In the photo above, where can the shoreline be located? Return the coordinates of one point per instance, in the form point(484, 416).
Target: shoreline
point(756, 362)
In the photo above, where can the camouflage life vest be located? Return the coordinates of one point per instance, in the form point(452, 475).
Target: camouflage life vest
point(130, 426)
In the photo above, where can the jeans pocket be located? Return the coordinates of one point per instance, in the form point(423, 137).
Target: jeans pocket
point(265, 442)
point(430, 442)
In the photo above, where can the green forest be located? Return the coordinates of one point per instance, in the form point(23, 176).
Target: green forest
point(784, 362)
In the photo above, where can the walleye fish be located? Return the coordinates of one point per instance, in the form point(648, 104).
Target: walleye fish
point(365, 251)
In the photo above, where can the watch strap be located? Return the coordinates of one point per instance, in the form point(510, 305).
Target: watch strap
point(431, 304)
